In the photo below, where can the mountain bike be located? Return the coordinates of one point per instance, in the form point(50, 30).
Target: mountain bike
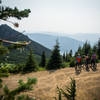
point(94, 66)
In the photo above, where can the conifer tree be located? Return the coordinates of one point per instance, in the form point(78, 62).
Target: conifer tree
point(94, 49)
point(6, 13)
point(55, 61)
point(64, 56)
point(43, 59)
point(79, 50)
point(86, 48)
point(67, 57)
point(98, 48)
point(70, 53)
point(30, 64)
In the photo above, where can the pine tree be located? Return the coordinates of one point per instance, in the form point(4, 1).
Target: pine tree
point(98, 48)
point(6, 13)
point(70, 53)
point(94, 49)
point(43, 60)
point(86, 48)
point(67, 57)
point(30, 64)
point(64, 56)
point(55, 61)
point(79, 50)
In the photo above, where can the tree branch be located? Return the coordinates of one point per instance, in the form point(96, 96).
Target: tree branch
point(16, 43)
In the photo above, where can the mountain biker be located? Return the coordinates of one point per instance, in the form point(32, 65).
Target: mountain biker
point(87, 61)
point(78, 61)
point(93, 59)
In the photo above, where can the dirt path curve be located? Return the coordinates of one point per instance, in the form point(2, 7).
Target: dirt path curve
point(88, 83)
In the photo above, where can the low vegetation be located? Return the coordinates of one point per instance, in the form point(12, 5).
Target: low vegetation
point(13, 94)
point(69, 93)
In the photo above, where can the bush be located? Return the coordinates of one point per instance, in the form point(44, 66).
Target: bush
point(12, 68)
point(3, 69)
point(18, 68)
point(69, 93)
point(11, 94)
point(4, 72)
point(41, 69)
point(65, 64)
point(24, 97)
point(72, 63)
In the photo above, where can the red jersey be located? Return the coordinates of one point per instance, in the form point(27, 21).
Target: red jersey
point(78, 58)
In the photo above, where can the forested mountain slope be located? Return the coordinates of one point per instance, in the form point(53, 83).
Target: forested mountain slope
point(10, 34)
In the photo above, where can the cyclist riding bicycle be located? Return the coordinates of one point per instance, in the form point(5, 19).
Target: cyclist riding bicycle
point(87, 61)
point(93, 60)
point(78, 61)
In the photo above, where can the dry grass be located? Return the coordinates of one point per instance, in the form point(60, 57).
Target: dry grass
point(88, 83)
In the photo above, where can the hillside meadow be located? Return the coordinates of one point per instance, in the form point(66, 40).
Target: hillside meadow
point(87, 83)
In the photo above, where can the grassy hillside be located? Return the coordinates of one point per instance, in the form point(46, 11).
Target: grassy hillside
point(87, 83)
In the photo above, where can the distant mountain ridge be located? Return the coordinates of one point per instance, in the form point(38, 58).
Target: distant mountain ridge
point(10, 34)
point(66, 43)
point(90, 37)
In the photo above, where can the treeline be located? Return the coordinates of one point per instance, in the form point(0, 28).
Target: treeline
point(56, 60)
point(84, 50)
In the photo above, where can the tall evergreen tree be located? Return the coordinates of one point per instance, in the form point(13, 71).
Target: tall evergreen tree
point(64, 56)
point(5, 14)
point(98, 48)
point(30, 64)
point(55, 61)
point(70, 53)
point(79, 50)
point(67, 57)
point(94, 49)
point(86, 48)
point(43, 60)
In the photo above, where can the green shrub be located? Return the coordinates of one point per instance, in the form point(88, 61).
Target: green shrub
point(4, 72)
point(41, 69)
point(11, 94)
point(69, 93)
point(24, 97)
point(0, 83)
point(3, 69)
point(17, 69)
point(66, 64)
point(72, 63)
point(12, 68)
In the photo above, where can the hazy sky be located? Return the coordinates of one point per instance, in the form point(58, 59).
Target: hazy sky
point(68, 16)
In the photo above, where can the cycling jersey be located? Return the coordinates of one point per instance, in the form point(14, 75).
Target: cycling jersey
point(78, 59)
point(94, 56)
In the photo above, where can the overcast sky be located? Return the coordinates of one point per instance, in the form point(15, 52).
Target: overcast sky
point(68, 16)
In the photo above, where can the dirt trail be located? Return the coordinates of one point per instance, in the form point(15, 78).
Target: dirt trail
point(88, 83)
